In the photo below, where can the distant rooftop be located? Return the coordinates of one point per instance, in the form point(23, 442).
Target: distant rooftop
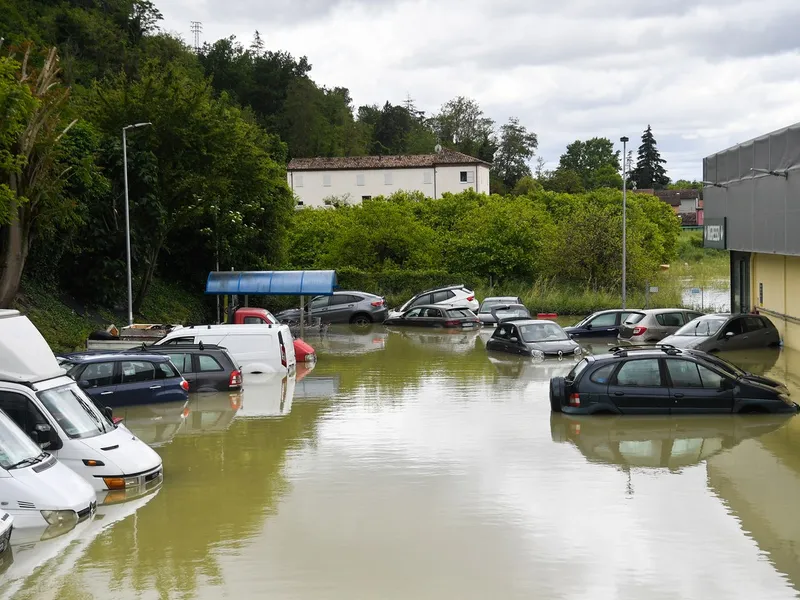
point(408, 161)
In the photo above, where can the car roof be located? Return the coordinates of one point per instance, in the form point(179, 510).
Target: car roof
point(657, 350)
point(168, 347)
point(501, 298)
point(508, 305)
point(443, 288)
point(444, 306)
point(659, 311)
point(527, 321)
point(86, 358)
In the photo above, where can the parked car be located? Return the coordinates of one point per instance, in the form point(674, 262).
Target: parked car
point(485, 311)
point(435, 315)
point(453, 295)
point(37, 395)
point(661, 380)
point(126, 378)
point(205, 367)
point(601, 324)
point(725, 332)
point(256, 349)
point(36, 489)
point(502, 312)
point(655, 324)
point(357, 308)
point(530, 337)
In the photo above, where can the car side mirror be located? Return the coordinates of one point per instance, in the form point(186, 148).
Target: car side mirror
point(729, 335)
point(514, 340)
point(727, 384)
point(109, 413)
point(588, 326)
point(571, 336)
point(83, 384)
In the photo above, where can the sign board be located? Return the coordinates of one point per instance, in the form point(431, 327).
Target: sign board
point(696, 291)
point(653, 290)
point(715, 233)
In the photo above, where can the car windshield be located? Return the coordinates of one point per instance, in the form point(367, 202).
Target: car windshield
point(75, 412)
point(577, 370)
point(460, 313)
point(701, 327)
point(15, 447)
point(542, 332)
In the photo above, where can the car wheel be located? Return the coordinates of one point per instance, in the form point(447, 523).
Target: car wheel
point(361, 320)
point(557, 391)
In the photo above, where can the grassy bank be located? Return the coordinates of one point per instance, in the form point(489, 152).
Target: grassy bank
point(66, 324)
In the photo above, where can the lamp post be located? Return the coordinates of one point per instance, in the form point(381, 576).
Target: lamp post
point(128, 216)
point(624, 140)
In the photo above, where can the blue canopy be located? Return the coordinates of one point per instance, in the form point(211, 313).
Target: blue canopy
point(271, 283)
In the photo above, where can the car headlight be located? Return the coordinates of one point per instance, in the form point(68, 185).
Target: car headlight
point(577, 351)
point(537, 354)
point(59, 517)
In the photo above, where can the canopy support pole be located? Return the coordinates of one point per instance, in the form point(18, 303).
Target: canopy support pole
point(302, 317)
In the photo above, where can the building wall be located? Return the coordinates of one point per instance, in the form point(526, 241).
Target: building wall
point(776, 293)
point(312, 187)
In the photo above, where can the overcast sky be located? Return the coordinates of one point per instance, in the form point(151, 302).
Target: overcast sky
point(706, 74)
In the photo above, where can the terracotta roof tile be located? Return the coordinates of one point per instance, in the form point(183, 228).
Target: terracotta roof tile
point(409, 161)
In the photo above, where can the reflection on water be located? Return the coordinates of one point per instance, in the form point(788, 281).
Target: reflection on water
point(413, 464)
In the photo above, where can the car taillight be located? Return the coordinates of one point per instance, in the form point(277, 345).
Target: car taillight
point(451, 323)
point(575, 400)
point(185, 385)
point(236, 378)
point(639, 330)
point(283, 354)
point(377, 303)
point(470, 298)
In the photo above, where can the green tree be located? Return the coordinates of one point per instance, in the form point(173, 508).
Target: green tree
point(462, 125)
point(649, 172)
point(685, 184)
point(564, 181)
point(593, 160)
point(391, 131)
point(516, 148)
point(527, 186)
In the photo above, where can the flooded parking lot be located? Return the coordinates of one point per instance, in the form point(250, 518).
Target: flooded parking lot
point(411, 464)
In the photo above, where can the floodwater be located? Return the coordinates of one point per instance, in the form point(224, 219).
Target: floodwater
point(411, 464)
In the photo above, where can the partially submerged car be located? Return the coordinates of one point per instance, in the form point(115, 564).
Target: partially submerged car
point(725, 332)
point(530, 337)
point(602, 324)
point(503, 312)
point(653, 325)
point(452, 295)
point(485, 310)
point(435, 315)
point(662, 380)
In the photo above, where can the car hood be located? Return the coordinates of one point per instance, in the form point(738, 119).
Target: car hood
point(565, 346)
point(486, 318)
point(127, 452)
point(759, 380)
point(290, 313)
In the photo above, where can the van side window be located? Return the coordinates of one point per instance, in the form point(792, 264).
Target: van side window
point(137, 371)
point(22, 411)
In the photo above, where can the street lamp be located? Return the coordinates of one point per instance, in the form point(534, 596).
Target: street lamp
point(624, 141)
point(127, 215)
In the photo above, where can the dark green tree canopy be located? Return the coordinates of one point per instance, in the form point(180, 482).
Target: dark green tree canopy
point(595, 161)
point(649, 172)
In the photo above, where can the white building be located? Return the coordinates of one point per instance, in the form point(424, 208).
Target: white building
point(359, 178)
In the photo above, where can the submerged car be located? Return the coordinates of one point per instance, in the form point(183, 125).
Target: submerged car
point(485, 310)
point(453, 295)
point(503, 312)
point(724, 332)
point(655, 324)
point(356, 308)
point(662, 380)
point(601, 324)
point(437, 315)
point(530, 337)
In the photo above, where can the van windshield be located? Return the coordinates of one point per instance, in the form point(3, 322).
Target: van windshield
point(16, 448)
point(75, 412)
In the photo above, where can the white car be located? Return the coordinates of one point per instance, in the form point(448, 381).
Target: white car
point(37, 394)
point(456, 296)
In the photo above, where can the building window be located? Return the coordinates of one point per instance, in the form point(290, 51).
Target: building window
point(428, 178)
point(298, 180)
point(360, 179)
point(467, 177)
point(387, 178)
point(463, 176)
point(299, 203)
point(366, 198)
point(326, 180)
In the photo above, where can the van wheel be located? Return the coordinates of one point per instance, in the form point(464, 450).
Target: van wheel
point(557, 391)
point(361, 320)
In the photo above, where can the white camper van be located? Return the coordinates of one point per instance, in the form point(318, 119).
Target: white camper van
point(37, 395)
point(35, 488)
point(257, 349)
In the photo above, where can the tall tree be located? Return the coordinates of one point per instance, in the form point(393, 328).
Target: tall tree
point(390, 135)
point(649, 172)
point(462, 124)
point(516, 148)
point(593, 161)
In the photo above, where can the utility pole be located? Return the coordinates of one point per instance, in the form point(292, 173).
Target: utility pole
point(624, 140)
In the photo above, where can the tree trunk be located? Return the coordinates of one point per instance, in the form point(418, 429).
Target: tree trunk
point(13, 253)
point(147, 278)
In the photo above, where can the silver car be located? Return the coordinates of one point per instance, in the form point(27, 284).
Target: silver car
point(653, 325)
point(724, 332)
point(485, 311)
point(357, 308)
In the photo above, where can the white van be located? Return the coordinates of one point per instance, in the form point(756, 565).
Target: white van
point(257, 349)
point(37, 395)
point(35, 488)
point(6, 527)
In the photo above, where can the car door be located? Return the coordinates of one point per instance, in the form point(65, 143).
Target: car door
point(319, 306)
point(137, 384)
point(210, 374)
point(434, 317)
point(408, 318)
point(100, 381)
point(443, 297)
point(695, 389)
point(515, 342)
point(603, 325)
point(29, 419)
point(638, 388)
point(420, 300)
point(340, 308)
point(499, 342)
point(733, 336)
point(668, 323)
point(185, 365)
point(756, 332)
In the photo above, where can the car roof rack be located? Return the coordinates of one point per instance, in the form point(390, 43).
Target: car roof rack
point(441, 288)
point(625, 350)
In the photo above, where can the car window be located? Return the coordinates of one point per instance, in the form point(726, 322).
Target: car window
point(180, 340)
point(577, 370)
point(691, 316)
point(165, 370)
point(344, 299)
point(753, 324)
point(457, 313)
point(253, 321)
point(431, 313)
point(320, 302)
point(639, 373)
point(767, 323)
point(443, 296)
point(711, 380)
point(137, 371)
point(736, 326)
point(424, 299)
point(603, 374)
point(684, 374)
point(99, 374)
point(604, 320)
point(206, 363)
point(670, 319)
point(182, 361)
point(503, 332)
point(22, 411)
point(413, 313)
point(632, 317)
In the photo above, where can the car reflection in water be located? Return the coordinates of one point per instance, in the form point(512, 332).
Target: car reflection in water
point(530, 369)
point(441, 340)
point(38, 558)
point(344, 340)
point(659, 442)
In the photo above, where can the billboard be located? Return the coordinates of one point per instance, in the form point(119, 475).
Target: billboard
point(714, 233)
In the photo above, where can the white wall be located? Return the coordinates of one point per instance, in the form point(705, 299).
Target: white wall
point(310, 186)
point(688, 206)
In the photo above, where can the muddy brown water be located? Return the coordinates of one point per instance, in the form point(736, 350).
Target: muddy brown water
point(411, 464)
